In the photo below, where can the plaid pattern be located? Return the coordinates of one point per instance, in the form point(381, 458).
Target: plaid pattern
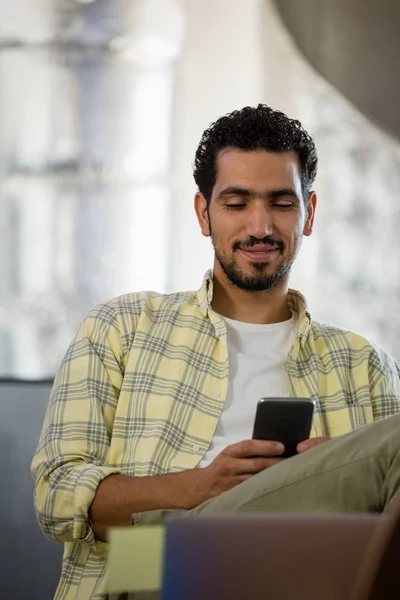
point(140, 392)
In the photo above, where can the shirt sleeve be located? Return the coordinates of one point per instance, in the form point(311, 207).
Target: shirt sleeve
point(72, 456)
point(384, 378)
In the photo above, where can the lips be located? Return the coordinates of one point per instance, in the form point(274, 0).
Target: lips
point(261, 248)
point(260, 252)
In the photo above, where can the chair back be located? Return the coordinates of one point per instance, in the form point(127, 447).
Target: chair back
point(30, 565)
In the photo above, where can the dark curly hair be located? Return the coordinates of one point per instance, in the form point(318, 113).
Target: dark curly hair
point(250, 128)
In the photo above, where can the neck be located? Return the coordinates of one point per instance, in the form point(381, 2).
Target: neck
point(250, 307)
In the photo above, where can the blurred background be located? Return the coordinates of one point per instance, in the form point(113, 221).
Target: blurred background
point(102, 105)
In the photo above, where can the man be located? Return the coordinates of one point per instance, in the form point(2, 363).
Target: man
point(153, 406)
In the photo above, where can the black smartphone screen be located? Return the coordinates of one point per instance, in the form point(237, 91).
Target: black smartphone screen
point(286, 420)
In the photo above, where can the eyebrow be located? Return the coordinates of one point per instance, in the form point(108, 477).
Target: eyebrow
point(248, 193)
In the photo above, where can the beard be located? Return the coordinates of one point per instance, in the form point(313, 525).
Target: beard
point(259, 281)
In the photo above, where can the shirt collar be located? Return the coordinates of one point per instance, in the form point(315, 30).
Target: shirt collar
point(296, 302)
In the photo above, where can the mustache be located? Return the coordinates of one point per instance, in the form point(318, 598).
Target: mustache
point(252, 241)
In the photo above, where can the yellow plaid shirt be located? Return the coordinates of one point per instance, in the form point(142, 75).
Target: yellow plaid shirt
point(135, 394)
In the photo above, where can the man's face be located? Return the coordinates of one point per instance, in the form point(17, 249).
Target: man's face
point(257, 216)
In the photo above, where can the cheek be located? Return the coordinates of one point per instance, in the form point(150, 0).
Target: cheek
point(291, 233)
point(226, 231)
point(222, 242)
point(287, 228)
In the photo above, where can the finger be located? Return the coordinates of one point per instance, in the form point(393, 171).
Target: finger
point(244, 477)
point(311, 443)
point(251, 448)
point(250, 466)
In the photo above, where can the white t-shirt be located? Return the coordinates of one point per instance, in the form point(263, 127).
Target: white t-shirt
point(257, 369)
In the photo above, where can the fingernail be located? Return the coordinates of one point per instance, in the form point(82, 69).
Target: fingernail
point(280, 447)
point(301, 447)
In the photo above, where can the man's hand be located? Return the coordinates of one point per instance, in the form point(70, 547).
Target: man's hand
point(311, 443)
point(118, 496)
point(235, 464)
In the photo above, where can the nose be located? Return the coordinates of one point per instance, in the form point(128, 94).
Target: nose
point(259, 222)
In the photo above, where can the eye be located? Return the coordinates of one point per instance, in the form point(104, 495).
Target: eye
point(235, 205)
point(283, 204)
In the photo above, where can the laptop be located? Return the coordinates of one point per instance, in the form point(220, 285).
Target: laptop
point(270, 556)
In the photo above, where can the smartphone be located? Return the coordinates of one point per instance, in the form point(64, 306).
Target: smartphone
point(286, 420)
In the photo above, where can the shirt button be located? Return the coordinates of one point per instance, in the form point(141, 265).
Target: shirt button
point(216, 393)
point(195, 447)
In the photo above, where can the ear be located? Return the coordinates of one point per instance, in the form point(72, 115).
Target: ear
point(310, 213)
point(200, 206)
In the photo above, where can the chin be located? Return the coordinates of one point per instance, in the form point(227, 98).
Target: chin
point(261, 268)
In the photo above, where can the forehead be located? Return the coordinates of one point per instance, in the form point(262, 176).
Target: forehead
point(258, 169)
